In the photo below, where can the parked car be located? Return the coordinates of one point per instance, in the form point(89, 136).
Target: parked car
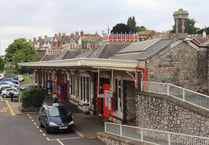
point(9, 83)
point(4, 87)
point(55, 117)
point(13, 80)
point(4, 84)
point(6, 92)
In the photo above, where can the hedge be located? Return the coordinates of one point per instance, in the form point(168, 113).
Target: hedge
point(32, 97)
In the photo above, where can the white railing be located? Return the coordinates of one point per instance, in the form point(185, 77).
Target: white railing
point(154, 136)
point(183, 94)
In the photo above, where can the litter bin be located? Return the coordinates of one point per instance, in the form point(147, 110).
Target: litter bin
point(86, 108)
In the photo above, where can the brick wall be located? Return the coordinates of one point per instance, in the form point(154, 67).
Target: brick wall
point(165, 113)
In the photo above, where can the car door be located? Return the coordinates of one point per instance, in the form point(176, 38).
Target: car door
point(43, 116)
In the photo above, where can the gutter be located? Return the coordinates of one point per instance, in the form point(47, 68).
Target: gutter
point(145, 75)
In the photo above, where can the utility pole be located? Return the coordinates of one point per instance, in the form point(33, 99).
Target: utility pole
point(108, 30)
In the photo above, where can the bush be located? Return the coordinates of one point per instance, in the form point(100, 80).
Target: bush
point(32, 97)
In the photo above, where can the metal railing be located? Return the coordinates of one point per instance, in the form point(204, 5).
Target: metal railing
point(183, 94)
point(154, 136)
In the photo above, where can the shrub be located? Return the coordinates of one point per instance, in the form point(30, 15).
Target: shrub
point(32, 97)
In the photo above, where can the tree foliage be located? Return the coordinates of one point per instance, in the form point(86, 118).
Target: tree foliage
point(191, 26)
point(200, 31)
point(2, 62)
point(131, 27)
point(132, 24)
point(140, 28)
point(121, 28)
point(20, 51)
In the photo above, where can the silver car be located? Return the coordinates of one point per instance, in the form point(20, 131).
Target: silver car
point(6, 92)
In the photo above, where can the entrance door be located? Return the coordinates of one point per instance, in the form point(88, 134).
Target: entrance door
point(106, 101)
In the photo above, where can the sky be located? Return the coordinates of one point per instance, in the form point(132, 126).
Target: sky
point(33, 18)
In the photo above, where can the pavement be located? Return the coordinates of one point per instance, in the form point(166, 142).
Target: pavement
point(86, 125)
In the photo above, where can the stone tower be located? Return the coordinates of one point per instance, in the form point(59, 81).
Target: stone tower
point(180, 18)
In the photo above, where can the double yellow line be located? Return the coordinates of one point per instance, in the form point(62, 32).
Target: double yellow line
point(10, 108)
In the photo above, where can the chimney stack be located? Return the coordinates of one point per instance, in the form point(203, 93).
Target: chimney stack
point(180, 18)
point(81, 33)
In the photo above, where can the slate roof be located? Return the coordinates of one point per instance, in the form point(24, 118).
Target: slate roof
point(143, 49)
point(205, 44)
point(62, 55)
point(202, 39)
point(139, 46)
point(72, 54)
point(96, 53)
point(108, 50)
point(49, 57)
point(84, 53)
point(157, 47)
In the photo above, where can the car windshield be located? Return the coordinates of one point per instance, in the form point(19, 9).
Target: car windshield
point(57, 111)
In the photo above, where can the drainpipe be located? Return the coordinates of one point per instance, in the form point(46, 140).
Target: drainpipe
point(144, 71)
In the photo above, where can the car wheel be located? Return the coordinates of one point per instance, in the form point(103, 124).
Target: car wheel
point(4, 96)
point(40, 124)
point(47, 130)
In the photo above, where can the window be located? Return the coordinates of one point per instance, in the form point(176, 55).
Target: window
point(118, 94)
point(85, 89)
point(73, 84)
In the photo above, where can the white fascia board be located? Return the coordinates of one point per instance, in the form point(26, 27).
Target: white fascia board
point(114, 64)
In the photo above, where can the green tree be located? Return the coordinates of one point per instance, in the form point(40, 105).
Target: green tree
point(190, 25)
point(132, 24)
point(120, 28)
point(2, 63)
point(20, 51)
point(140, 28)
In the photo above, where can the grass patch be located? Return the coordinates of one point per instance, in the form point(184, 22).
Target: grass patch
point(27, 79)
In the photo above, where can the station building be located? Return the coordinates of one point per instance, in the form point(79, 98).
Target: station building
point(106, 79)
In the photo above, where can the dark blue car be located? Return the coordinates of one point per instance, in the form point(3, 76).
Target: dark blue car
point(55, 118)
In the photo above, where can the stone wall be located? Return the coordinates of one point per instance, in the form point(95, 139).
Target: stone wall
point(168, 114)
point(202, 70)
point(182, 65)
point(131, 101)
point(208, 70)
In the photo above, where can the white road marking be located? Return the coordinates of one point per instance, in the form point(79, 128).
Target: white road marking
point(1, 98)
point(59, 139)
point(78, 133)
point(60, 142)
point(69, 138)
